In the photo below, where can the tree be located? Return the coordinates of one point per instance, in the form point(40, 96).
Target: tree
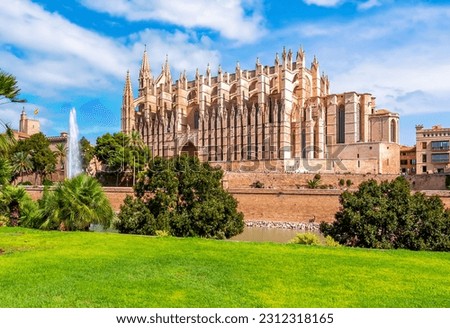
point(8, 88)
point(121, 156)
point(74, 204)
point(185, 197)
point(61, 155)
point(387, 215)
point(87, 153)
point(21, 164)
point(43, 159)
point(5, 171)
point(7, 141)
point(17, 205)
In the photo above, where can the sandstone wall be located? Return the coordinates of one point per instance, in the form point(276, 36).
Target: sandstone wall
point(272, 204)
point(287, 205)
point(234, 180)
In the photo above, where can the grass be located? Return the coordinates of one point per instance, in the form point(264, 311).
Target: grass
point(76, 269)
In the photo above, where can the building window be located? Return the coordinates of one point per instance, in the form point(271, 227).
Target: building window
point(403, 162)
point(424, 158)
point(196, 119)
point(440, 145)
point(424, 169)
point(424, 145)
point(412, 161)
point(393, 131)
point(439, 158)
point(341, 124)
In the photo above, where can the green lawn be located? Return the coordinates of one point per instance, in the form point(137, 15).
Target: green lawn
point(76, 269)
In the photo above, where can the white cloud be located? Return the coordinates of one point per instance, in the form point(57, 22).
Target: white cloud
point(10, 114)
point(233, 19)
point(368, 4)
point(361, 5)
point(57, 55)
point(323, 3)
point(400, 55)
point(184, 52)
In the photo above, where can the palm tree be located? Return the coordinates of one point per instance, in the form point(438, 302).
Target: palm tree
point(17, 204)
point(21, 164)
point(8, 88)
point(61, 154)
point(7, 140)
point(5, 171)
point(135, 141)
point(76, 203)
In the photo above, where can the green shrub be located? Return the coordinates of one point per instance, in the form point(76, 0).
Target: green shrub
point(257, 184)
point(25, 183)
point(162, 233)
point(47, 183)
point(447, 181)
point(187, 199)
point(135, 218)
point(75, 204)
point(330, 242)
point(348, 182)
point(387, 215)
point(306, 238)
point(4, 221)
point(341, 182)
point(18, 207)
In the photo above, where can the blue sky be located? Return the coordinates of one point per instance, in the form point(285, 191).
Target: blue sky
point(76, 53)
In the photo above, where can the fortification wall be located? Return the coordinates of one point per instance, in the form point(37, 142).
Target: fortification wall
point(280, 200)
point(233, 180)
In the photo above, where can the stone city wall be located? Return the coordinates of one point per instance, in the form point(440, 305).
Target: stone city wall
point(281, 199)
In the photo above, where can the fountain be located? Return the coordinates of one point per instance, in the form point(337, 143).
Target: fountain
point(74, 156)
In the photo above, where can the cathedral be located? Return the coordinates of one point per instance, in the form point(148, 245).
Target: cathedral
point(269, 118)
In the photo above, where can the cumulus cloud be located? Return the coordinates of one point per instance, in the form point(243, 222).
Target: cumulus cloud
point(368, 4)
point(323, 3)
point(233, 19)
point(395, 54)
point(56, 54)
point(362, 5)
point(184, 51)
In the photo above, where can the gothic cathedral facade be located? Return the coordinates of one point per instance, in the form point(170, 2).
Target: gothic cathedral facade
point(272, 118)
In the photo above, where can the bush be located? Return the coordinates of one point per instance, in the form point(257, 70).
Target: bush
point(315, 182)
point(47, 183)
point(257, 184)
point(348, 183)
point(135, 218)
point(330, 242)
point(162, 233)
point(185, 198)
point(75, 204)
point(18, 207)
point(447, 181)
point(4, 221)
point(387, 215)
point(306, 238)
point(341, 182)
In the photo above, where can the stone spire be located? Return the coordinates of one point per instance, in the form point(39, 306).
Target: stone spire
point(145, 74)
point(300, 60)
point(127, 106)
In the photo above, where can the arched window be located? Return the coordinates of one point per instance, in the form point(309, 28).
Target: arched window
point(340, 124)
point(196, 120)
point(393, 131)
